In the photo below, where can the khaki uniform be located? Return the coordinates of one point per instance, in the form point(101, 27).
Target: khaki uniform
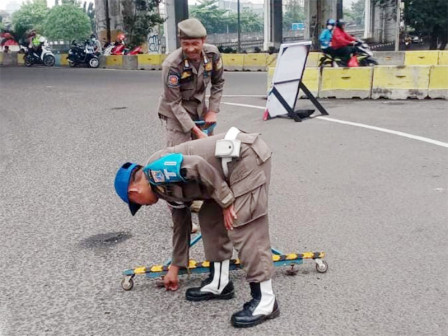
point(183, 99)
point(246, 187)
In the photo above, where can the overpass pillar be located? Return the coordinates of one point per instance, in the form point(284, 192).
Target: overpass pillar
point(273, 24)
point(317, 12)
point(368, 19)
point(176, 11)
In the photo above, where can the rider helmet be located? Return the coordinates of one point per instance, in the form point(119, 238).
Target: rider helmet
point(121, 37)
point(340, 23)
point(331, 22)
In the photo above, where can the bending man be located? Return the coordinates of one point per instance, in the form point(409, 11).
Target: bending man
point(231, 173)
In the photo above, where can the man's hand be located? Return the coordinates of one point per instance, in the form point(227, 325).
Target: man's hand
point(210, 118)
point(198, 133)
point(171, 280)
point(229, 215)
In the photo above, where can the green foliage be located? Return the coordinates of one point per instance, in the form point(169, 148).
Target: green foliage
point(221, 21)
point(139, 17)
point(31, 15)
point(67, 22)
point(355, 14)
point(294, 13)
point(428, 17)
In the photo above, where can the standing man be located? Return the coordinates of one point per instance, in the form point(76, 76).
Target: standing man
point(234, 185)
point(186, 74)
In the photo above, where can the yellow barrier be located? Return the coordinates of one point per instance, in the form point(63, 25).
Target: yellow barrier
point(271, 60)
point(313, 59)
point(255, 62)
point(270, 76)
point(233, 61)
point(421, 57)
point(346, 82)
point(115, 61)
point(64, 60)
point(21, 59)
point(438, 82)
point(443, 57)
point(150, 61)
point(400, 82)
point(311, 78)
point(1, 58)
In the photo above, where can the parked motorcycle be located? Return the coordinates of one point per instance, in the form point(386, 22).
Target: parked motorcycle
point(120, 49)
point(82, 54)
point(361, 51)
point(46, 57)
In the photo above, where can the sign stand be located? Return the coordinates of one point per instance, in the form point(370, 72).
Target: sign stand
point(287, 82)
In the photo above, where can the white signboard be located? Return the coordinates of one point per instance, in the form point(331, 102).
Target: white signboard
point(288, 73)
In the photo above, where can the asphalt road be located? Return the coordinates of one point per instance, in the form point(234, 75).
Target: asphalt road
point(375, 202)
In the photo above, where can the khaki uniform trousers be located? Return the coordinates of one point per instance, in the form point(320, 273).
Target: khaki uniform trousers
point(250, 240)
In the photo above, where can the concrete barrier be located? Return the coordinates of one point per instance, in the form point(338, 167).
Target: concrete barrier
point(346, 82)
point(9, 59)
point(443, 58)
point(421, 57)
point(438, 82)
point(63, 60)
point(113, 62)
point(270, 76)
point(400, 82)
point(271, 60)
point(130, 62)
point(311, 78)
point(313, 59)
point(254, 62)
point(20, 59)
point(233, 62)
point(150, 62)
point(389, 57)
point(1, 58)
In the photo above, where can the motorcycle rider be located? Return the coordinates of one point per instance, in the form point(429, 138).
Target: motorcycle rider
point(97, 49)
point(325, 38)
point(36, 41)
point(342, 42)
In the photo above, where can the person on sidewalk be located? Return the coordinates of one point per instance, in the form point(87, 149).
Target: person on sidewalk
point(231, 174)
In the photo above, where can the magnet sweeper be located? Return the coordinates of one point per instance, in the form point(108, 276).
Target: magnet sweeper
point(195, 267)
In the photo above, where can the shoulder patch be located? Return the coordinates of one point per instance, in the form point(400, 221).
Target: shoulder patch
point(218, 65)
point(173, 80)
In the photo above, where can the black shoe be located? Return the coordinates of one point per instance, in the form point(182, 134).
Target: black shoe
point(245, 318)
point(195, 294)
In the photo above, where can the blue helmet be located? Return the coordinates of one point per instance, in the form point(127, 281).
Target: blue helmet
point(331, 22)
point(122, 180)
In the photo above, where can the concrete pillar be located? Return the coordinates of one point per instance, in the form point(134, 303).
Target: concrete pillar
point(317, 12)
point(176, 11)
point(273, 24)
point(368, 14)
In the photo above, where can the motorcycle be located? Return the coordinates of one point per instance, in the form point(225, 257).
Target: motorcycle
point(82, 54)
point(120, 49)
point(362, 52)
point(46, 57)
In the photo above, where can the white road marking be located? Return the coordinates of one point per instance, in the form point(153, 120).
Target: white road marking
point(374, 128)
point(246, 105)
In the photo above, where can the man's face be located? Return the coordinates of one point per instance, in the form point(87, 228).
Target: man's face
point(139, 190)
point(192, 48)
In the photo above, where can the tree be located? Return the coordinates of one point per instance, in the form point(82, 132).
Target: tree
point(355, 14)
point(214, 19)
point(67, 22)
point(139, 17)
point(294, 13)
point(31, 15)
point(428, 17)
point(250, 22)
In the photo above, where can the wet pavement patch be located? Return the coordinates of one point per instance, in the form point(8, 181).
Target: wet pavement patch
point(105, 239)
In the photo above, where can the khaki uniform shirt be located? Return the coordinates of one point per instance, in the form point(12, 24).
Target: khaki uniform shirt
point(206, 180)
point(184, 86)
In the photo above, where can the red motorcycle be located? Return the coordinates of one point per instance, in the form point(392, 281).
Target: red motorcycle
point(119, 48)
